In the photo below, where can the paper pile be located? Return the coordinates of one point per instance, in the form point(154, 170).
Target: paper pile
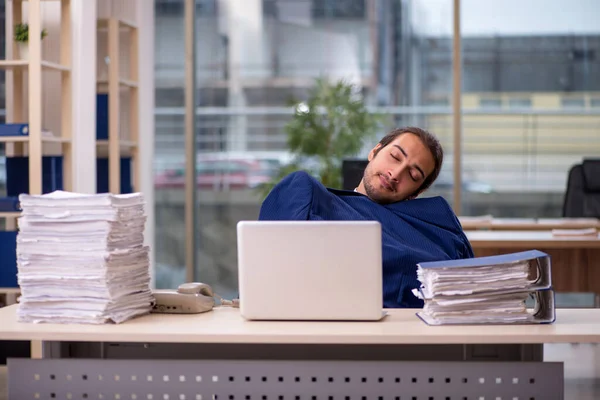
point(82, 259)
point(486, 290)
point(591, 233)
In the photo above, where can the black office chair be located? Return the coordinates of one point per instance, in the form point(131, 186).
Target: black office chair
point(582, 198)
point(352, 173)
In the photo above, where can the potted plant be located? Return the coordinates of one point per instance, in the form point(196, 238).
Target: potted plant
point(332, 124)
point(22, 39)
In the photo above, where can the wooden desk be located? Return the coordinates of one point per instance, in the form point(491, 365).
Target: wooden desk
point(575, 260)
point(226, 326)
point(238, 359)
point(476, 223)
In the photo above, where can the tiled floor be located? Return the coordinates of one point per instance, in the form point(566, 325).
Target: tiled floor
point(582, 370)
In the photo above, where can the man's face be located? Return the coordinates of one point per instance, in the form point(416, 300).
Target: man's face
point(397, 171)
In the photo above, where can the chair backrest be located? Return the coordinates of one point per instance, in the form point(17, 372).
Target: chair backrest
point(352, 173)
point(582, 198)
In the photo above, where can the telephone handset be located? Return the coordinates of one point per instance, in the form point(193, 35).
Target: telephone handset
point(189, 298)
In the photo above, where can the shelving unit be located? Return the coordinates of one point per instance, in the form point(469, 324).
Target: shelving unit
point(27, 77)
point(113, 86)
point(9, 296)
point(34, 67)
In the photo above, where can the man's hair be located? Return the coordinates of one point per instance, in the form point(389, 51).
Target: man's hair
point(429, 140)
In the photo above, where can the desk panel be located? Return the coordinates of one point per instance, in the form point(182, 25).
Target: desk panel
point(282, 380)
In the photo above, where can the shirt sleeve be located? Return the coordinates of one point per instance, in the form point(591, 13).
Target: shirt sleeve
point(290, 200)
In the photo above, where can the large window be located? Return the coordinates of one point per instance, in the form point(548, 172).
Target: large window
point(528, 86)
point(169, 148)
point(530, 102)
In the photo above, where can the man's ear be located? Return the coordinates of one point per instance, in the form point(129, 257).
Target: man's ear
point(373, 151)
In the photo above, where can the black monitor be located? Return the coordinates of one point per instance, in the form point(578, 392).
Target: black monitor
point(352, 173)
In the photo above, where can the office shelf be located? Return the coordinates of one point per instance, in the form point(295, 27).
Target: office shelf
point(27, 78)
point(10, 64)
point(123, 83)
point(122, 143)
point(15, 214)
point(14, 64)
point(104, 23)
point(25, 139)
point(10, 290)
point(29, 87)
point(114, 86)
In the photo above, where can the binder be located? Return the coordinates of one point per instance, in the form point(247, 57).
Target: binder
point(8, 259)
point(487, 290)
point(9, 204)
point(101, 116)
point(14, 129)
point(539, 267)
point(17, 175)
point(102, 175)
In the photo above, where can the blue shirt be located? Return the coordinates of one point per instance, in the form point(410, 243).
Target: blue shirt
point(413, 231)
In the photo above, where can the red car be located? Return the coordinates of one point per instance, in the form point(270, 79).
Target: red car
point(219, 174)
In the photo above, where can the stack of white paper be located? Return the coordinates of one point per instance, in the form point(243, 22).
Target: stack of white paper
point(81, 258)
point(482, 290)
point(472, 280)
point(591, 233)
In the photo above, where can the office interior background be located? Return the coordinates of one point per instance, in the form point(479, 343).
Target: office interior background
point(530, 103)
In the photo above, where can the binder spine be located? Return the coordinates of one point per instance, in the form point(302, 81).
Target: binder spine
point(14, 129)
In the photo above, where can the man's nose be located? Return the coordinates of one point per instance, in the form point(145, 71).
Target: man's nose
point(396, 172)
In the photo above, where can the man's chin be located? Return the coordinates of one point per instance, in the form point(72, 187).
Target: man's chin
point(384, 201)
point(377, 198)
point(379, 195)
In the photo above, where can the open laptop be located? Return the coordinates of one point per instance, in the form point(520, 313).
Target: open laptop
point(310, 270)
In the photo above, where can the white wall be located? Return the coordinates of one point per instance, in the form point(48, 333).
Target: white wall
point(145, 19)
point(84, 95)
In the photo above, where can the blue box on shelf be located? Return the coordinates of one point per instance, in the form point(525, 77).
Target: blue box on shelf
point(8, 259)
point(17, 175)
point(102, 175)
point(14, 129)
point(101, 116)
point(9, 204)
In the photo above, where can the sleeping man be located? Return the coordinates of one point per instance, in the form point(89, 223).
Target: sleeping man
point(401, 166)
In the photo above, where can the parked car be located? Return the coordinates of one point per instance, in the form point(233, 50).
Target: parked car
point(219, 174)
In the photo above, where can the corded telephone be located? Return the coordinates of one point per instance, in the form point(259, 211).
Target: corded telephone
point(189, 298)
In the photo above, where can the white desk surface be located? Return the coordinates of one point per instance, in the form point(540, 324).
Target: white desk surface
point(488, 222)
point(225, 325)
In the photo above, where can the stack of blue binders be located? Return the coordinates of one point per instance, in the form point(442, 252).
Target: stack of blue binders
point(487, 290)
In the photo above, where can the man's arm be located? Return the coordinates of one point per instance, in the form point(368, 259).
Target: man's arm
point(290, 199)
